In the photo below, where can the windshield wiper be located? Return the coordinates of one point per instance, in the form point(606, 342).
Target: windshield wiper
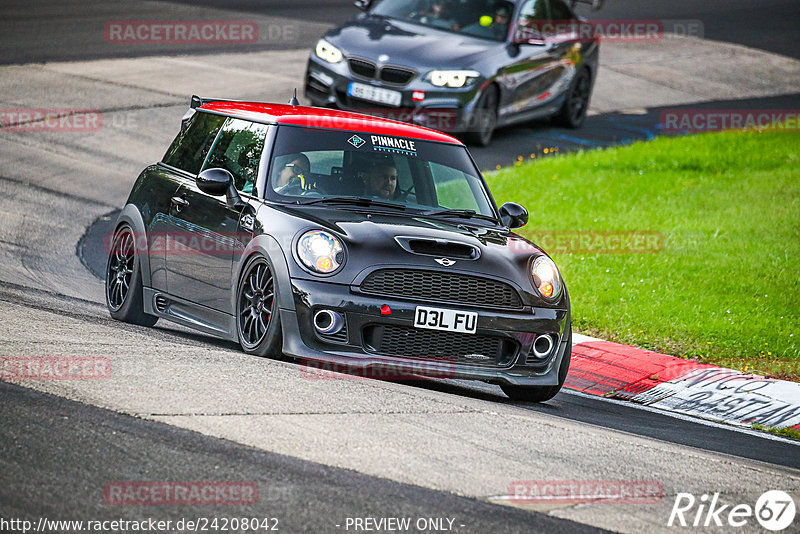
point(463, 214)
point(354, 201)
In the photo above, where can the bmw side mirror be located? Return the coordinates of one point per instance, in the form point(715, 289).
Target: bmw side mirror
point(217, 182)
point(513, 215)
point(596, 4)
point(524, 36)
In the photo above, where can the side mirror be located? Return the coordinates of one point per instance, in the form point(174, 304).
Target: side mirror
point(596, 4)
point(513, 215)
point(217, 182)
point(363, 5)
point(523, 35)
point(214, 182)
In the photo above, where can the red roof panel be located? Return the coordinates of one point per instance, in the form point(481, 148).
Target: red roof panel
point(325, 118)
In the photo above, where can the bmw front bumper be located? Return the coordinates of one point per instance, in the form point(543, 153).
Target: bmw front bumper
point(443, 109)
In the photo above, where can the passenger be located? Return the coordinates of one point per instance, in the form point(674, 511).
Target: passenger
point(381, 181)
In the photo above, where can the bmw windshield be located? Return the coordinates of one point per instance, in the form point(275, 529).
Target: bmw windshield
point(488, 19)
point(320, 166)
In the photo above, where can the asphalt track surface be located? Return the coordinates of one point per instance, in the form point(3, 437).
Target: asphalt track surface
point(73, 29)
point(57, 454)
point(96, 447)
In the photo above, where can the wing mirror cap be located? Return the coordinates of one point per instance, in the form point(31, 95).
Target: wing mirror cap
point(214, 182)
point(513, 215)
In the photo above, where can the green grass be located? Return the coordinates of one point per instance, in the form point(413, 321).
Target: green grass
point(785, 432)
point(725, 206)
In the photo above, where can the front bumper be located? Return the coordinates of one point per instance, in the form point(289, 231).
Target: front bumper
point(356, 352)
point(443, 109)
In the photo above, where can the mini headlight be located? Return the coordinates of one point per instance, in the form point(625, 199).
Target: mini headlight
point(320, 251)
point(545, 278)
point(328, 52)
point(452, 78)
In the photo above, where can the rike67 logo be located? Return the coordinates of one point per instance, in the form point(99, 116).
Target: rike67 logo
point(774, 510)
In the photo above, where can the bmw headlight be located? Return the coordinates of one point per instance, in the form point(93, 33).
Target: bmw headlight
point(328, 52)
point(320, 252)
point(453, 78)
point(545, 278)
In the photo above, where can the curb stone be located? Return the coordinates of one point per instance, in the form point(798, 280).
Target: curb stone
point(618, 371)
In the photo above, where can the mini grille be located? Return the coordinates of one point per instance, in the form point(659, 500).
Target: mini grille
point(362, 68)
point(443, 287)
point(446, 347)
point(396, 76)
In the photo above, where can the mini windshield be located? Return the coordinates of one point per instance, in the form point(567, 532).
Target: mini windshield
point(488, 19)
point(319, 166)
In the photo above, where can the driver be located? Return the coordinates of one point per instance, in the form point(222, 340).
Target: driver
point(494, 27)
point(381, 180)
point(293, 174)
point(434, 15)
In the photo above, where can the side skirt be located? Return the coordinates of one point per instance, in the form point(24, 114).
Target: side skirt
point(189, 314)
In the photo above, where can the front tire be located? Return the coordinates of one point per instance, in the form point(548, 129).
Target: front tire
point(258, 322)
point(486, 115)
point(573, 111)
point(124, 295)
point(542, 393)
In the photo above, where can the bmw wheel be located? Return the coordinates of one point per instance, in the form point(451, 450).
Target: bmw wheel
point(485, 116)
point(573, 111)
point(542, 393)
point(257, 317)
point(124, 297)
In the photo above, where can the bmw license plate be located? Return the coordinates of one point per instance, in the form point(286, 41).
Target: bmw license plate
point(375, 94)
point(448, 320)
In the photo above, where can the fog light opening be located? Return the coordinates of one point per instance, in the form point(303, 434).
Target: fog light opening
point(543, 346)
point(328, 322)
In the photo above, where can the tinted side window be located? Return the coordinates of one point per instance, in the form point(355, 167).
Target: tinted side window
point(532, 11)
point(238, 149)
point(560, 11)
point(529, 21)
point(190, 147)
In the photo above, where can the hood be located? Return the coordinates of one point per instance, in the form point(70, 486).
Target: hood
point(377, 238)
point(409, 45)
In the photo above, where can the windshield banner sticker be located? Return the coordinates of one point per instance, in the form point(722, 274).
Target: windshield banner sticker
point(394, 145)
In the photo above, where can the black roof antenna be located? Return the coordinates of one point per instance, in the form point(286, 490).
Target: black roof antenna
point(294, 101)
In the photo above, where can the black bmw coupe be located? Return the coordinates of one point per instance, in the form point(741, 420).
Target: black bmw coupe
point(461, 66)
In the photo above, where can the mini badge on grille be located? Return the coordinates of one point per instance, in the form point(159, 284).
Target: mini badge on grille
point(447, 262)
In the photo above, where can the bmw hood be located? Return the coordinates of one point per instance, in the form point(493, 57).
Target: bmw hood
point(409, 45)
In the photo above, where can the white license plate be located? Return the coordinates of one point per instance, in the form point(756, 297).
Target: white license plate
point(448, 320)
point(375, 94)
